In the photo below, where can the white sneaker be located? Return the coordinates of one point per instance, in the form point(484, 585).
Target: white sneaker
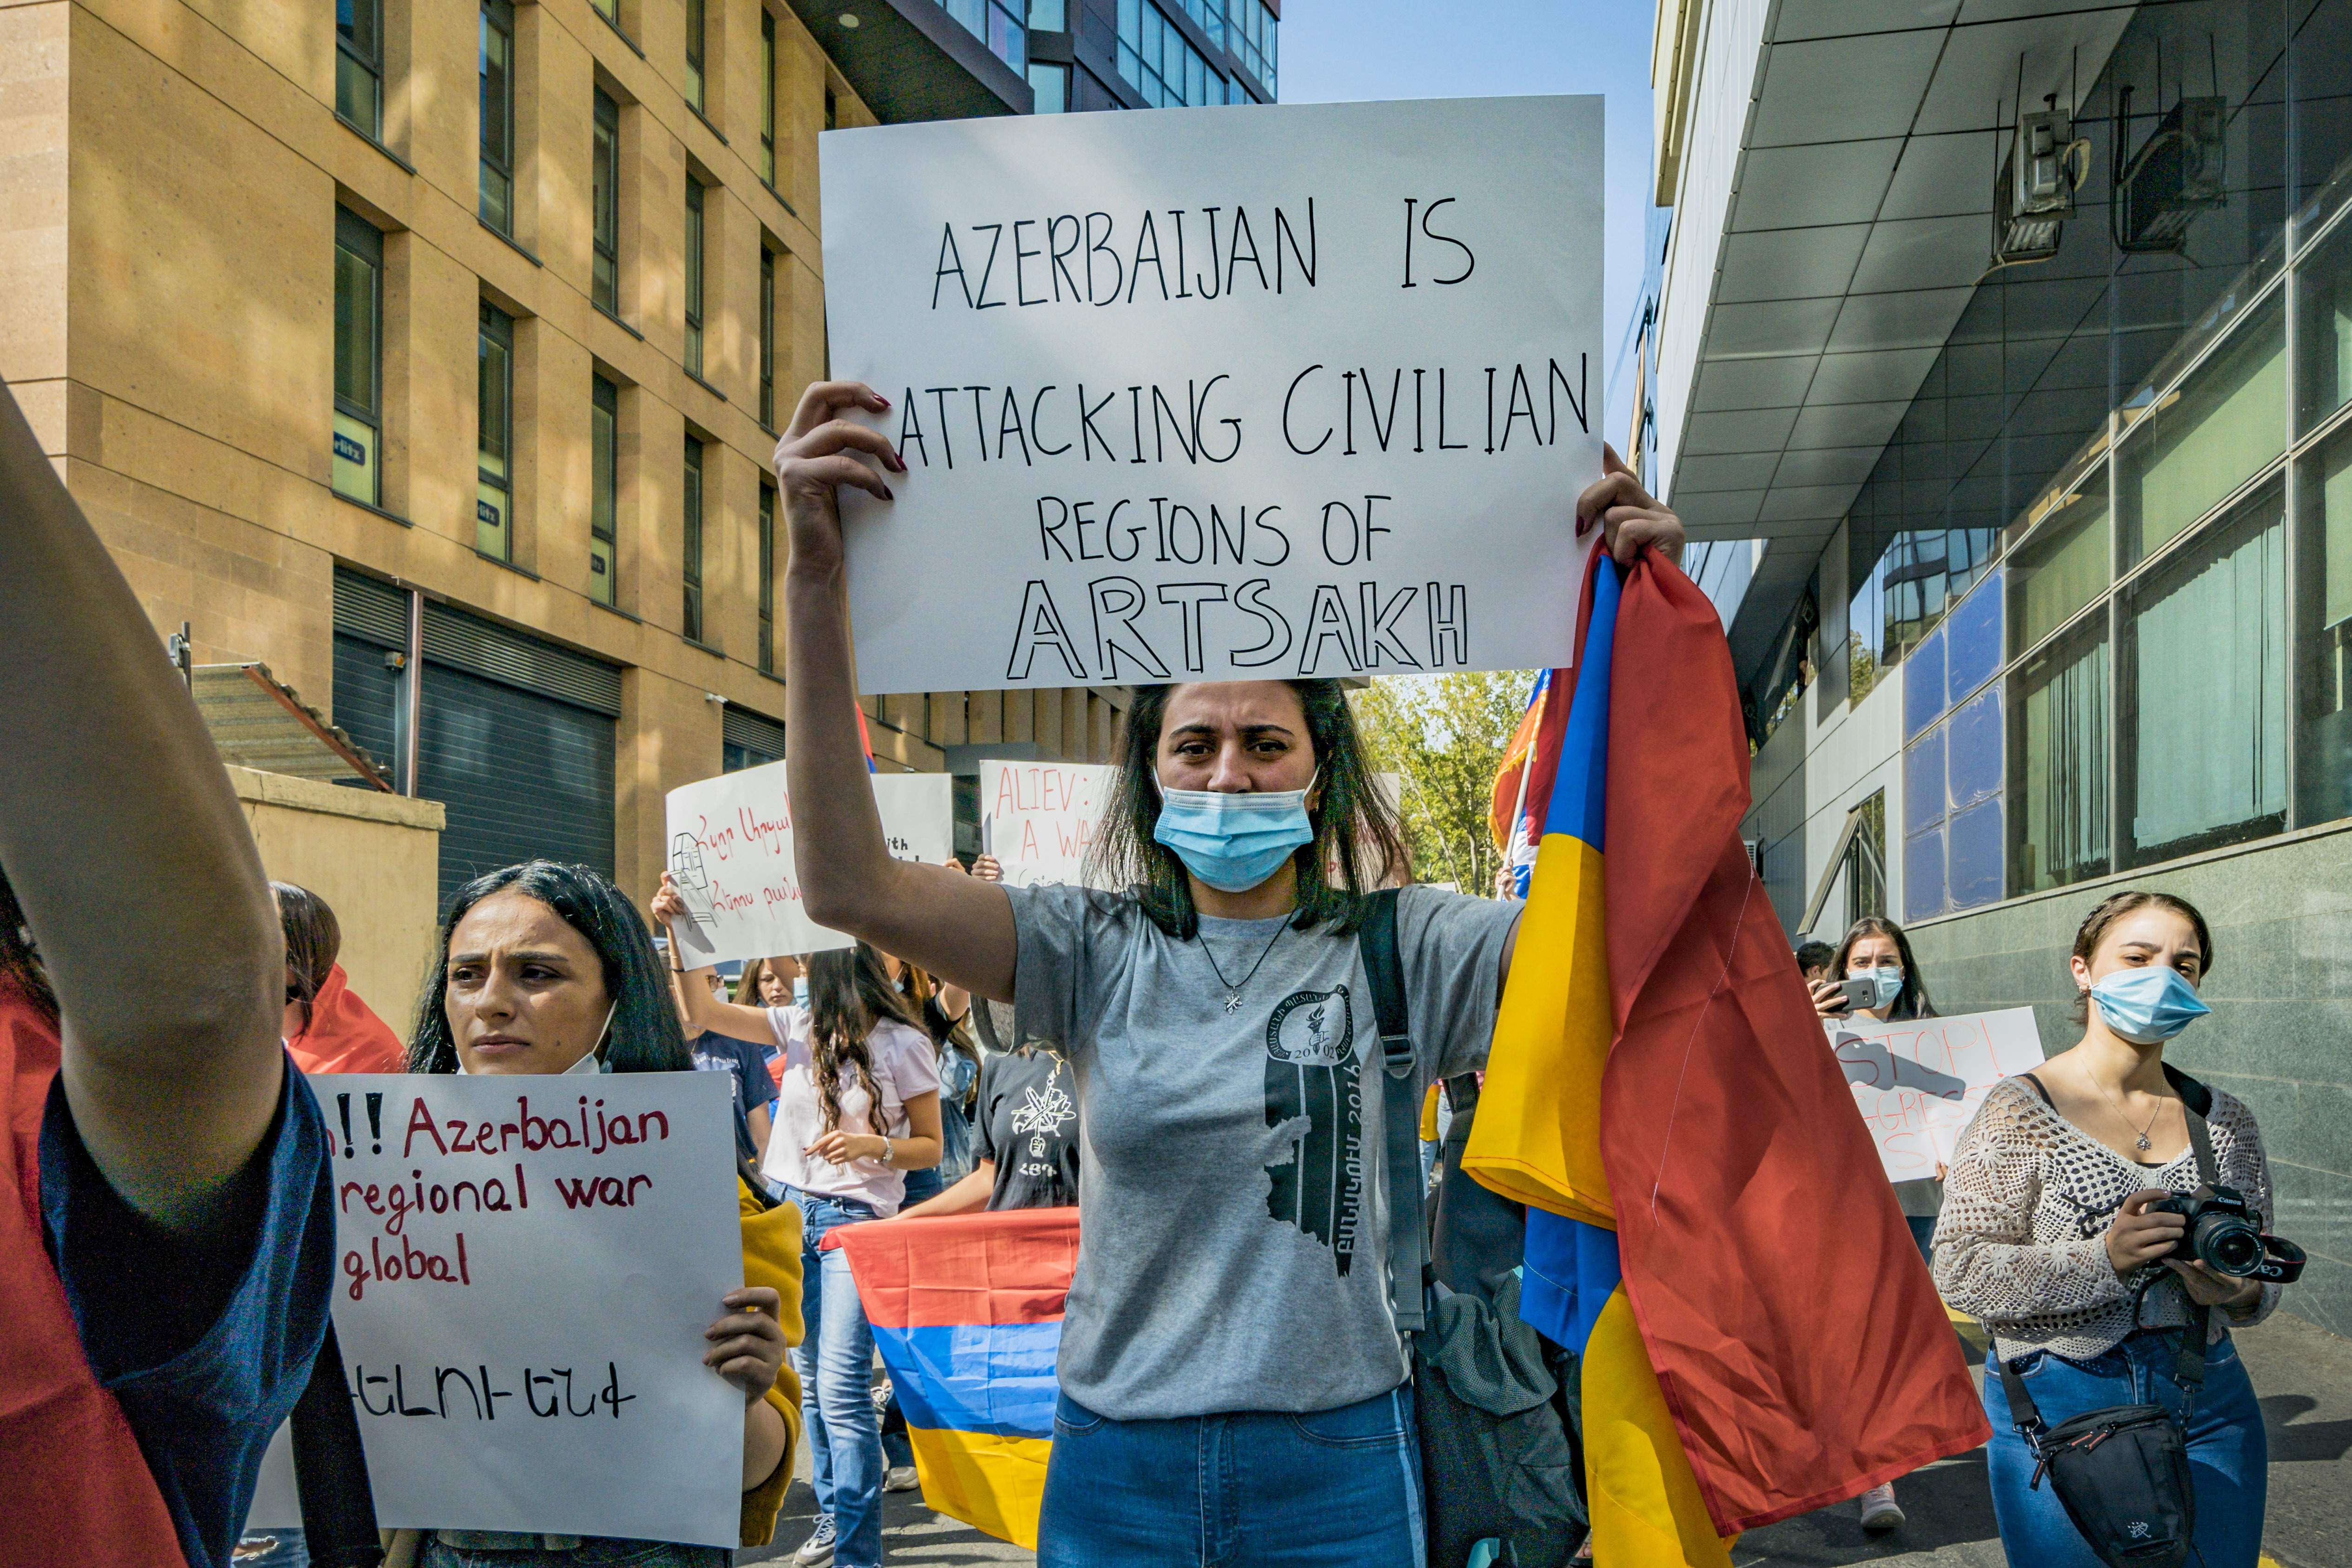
point(1880, 1512)
point(817, 1550)
point(899, 1477)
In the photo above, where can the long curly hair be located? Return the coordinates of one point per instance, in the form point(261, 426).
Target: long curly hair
point(849, 993)
point(1357, 842)
point(643, 1037)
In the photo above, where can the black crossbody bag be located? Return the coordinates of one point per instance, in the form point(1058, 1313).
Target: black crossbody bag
point(1496, 1458)
point(2122, 1473)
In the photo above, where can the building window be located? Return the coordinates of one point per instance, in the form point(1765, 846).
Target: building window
point(768, 96)
point(2204, 694)
point(690, 555)
point(359, 65)
point(1049, 17)
point(1250, 35)
point(2062, 565)
point(767, 581)
point(497, 198)
point(693, 278)
point(768, 337)
point(999, 25)
point(695, 30)
point(359, 359)
point(494, 447)
point(604, 492)
point(2191, 447)
point(608, 9)
point(1051, 84)
point(2058, 763)
point(605, 175)
point(1156, 62)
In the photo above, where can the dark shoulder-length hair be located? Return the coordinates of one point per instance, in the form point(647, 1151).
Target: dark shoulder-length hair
point(645, 1036)
point(314, 940)
point(1357, 841)
point(1911, 1001)
point(18, 966)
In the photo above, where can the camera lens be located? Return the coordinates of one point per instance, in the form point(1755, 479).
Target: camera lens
point(2229, 1244)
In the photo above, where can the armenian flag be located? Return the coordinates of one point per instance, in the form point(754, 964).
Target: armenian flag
point(967, 1313)
point(1709, 1226)
point(1507, 811)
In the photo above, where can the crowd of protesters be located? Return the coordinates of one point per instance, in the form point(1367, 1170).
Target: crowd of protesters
point(976, 1046)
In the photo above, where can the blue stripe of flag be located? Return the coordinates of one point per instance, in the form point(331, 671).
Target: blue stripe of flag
point(1577, 793)
point(977, 1377)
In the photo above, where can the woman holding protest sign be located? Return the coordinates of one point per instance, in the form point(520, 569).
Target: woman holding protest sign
point(167, 1216)
point(1230, 1367)
point(857, 1106)
point(546, 969)
point(1873, 960)
point(2066, 1232)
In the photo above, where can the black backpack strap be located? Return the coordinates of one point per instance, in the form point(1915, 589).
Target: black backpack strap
point(331, 1468)
point(1376, 939)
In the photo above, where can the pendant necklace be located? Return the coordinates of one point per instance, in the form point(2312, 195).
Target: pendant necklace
point(2126, 1121)
point(1233, 991)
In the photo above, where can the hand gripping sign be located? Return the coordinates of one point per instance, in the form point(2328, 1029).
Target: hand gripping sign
point(1221, 394)
point(525, 1266)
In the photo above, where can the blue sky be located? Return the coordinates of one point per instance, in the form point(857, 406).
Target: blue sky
point(1338, 50)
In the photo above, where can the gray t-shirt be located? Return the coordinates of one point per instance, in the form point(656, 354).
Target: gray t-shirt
point(1233, 1225)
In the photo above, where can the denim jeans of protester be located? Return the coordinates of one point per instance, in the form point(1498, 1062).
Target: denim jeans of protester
point(1336, 1489)
point(836, 1363)
point(2228, 1453)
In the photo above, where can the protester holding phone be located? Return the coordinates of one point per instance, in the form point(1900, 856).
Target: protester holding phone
point(166, 1217)
point(1870, 976)
point(1230, 1369)
point(2052, 1235)
point(857, 1107)
point(546, 969)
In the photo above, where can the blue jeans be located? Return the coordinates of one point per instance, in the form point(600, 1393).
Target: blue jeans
point(836, 1363)
point(1336, 1489)
point(2228, 1453)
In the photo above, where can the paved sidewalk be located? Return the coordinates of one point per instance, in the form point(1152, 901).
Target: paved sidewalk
point(2303, 1376)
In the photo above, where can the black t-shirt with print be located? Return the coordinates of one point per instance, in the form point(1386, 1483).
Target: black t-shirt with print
point(1027, 1121)
point(747, 1065)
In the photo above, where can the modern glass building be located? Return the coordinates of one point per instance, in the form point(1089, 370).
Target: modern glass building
point(2021, 338)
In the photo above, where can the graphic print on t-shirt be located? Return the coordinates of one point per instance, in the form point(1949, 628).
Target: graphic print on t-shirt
point(1311, 1076)
point(1041, 1116)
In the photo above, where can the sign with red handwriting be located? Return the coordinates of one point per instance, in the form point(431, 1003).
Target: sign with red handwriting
point(524, 1270)
point(1038, 819)
point(1917, 1083)
point(731, 858)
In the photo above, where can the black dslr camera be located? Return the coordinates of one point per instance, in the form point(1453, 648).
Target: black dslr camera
point(2224, 1234)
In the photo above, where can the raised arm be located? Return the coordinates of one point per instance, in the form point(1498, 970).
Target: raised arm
point(698, 1007)
point(958, 929)
point(120, 835)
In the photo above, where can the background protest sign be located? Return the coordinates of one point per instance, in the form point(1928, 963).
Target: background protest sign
point(524, 1270)
point(1917, 1083)
point(731, 856)
point(1038, 819)
point(1231, 394)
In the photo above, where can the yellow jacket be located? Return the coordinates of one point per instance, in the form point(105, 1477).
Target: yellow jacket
point(771, 1257)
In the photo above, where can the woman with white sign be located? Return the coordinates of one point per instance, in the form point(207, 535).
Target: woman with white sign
point(546, 969)
point(2065, 1232)
point(857, 1107)
point(1231, 1372)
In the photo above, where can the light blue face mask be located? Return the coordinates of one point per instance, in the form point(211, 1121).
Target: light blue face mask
point(1889, 982)
point(800, 990)
point(2147, 1006)
point(1234, 841)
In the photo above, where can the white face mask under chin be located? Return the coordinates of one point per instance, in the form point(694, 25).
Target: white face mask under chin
point(592, 1062)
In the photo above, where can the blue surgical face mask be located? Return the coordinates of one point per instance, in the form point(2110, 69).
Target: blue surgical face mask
point(2147, 1006)
point(800, 990)
point(1234, 841)
point(1889, 982)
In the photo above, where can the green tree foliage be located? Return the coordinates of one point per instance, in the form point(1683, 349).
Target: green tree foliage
point(1445, 735)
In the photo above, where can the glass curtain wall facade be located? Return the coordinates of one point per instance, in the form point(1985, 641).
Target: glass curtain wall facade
point(2108, 552)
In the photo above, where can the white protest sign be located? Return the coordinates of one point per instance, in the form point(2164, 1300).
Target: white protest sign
point(731, 856)
point(1039, 819)
point(1917, 1083)
point(1235, 393)
point(525, 1266)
